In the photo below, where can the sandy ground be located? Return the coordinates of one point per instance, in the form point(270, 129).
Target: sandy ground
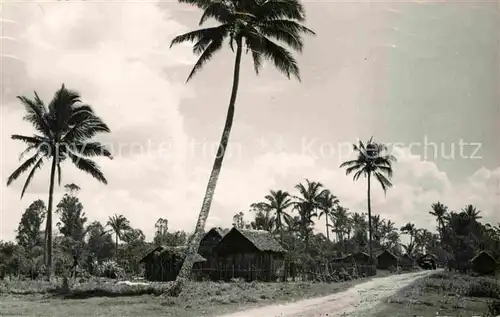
point(358, 301)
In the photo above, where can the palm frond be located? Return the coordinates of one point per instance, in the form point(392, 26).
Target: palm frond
point(88, 166)
point(286, 31)
point(21, 169)
point(195, 36)
point(212, 48)
point(217, 10)
point(80, 113)
point(349, 163)
point(36, 114)
point(384, 182)
point(91, 149)
point(281, 9)
point(283, 60)
point(61, 108)
point(38, 164)
point(85, 129)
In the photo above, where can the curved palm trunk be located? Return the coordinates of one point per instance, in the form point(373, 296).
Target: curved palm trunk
point(48, 230)
point(327, 231)
point(116, 246)
point(369, 220)
point(280, 227)
point(212, 182)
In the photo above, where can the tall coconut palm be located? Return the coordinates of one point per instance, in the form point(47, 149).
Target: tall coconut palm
point(119, 225)
point(328, 204)
point(64, 130)
point(278, 202)
point(252, 26)
point(372, 161)
point(308, 203)
point(440, 212)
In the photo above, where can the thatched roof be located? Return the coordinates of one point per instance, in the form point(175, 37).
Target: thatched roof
point(261, 239)
point(483, 254)
point(387, 252)
point(221, 232)
point(179, 251)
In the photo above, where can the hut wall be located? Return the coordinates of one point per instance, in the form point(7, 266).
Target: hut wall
point(484, 265)
point(385, 261)
point(264, 266)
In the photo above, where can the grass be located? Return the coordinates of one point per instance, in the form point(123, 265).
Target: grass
point(445, 294)
point(105, 298)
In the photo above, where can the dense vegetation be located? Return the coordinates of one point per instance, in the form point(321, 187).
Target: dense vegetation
point(113, 249)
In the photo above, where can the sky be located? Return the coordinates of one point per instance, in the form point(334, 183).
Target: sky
point(421, 76)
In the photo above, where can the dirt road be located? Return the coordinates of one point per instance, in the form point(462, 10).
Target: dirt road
point(357, 301)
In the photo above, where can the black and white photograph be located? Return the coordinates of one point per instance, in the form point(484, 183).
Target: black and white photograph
point(242, 158)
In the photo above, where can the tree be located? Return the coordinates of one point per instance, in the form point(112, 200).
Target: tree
point(278, 201)
point(341, 224)
point(263, 221)
point(440, 212)
point(307, 205)
point(100, 243)
point(328, 203)
point(160, 237)
point(472, 212)
point(239, 220)
point(72, 217)
point(118, 225)
point(65, 128)
point(410, 230)
point(372, 161)
point(249, 25)
point(29, 231)
point(377, 225)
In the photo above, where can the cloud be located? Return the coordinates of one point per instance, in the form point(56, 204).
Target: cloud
point(115, 54)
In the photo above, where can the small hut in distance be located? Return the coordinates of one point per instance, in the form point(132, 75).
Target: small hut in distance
point(163, 263)
point(386, 260)
point(484, 263)
point(248, 254)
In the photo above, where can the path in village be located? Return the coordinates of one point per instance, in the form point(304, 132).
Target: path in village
point(359, 300)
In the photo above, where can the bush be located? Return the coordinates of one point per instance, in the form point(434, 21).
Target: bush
point(110, 269)
point(494, 308)
point(484, 287)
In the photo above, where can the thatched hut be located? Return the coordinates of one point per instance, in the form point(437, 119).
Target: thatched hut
point(386, 260)
point(249, 254)
point(163, 263)
point(484, 263)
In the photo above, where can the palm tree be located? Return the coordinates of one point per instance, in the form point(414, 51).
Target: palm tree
point(119, 225)
point(307, 204)
point(377, 224)
point(328, 203)
point(250, 26)
point(472, 212)
point(277, 201)
point(439, 211)
point(410, 230)
point(372, 160)
point(341, 217)
point(64, 130)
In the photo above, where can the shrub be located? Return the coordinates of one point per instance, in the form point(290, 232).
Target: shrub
point(110, 269)
point(494, 308)
point(484, 287)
